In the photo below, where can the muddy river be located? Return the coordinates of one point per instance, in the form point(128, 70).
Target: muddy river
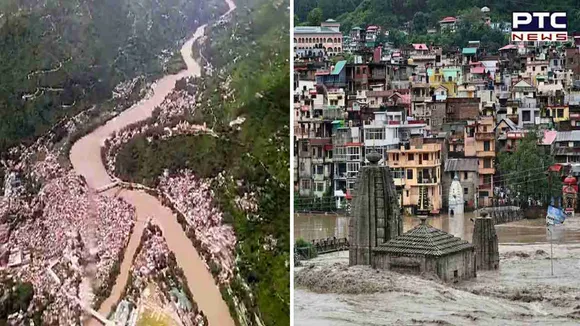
point(320, 226)
point(85, 156)
point(522, 292)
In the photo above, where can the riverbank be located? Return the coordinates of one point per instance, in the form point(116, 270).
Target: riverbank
point(521, 292)
point(86, 159)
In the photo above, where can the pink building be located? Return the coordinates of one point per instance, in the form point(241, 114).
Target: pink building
point(327, 36)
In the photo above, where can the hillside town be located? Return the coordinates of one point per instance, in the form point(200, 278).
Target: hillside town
point(433, 113)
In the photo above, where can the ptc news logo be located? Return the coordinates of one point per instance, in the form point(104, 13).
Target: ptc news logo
point(539, 26)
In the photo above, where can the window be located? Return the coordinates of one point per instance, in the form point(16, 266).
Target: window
point(486, 180)
point(486, 146)
point(398, 173)
point(426, 156)
point(304, 147)
point(364, 70)
point(487, 163)
point(411, 157)
point(409, 174)
point(560, 113)
point(302, 166)
point(319, 169)
point(464, 175)
point(319, 186)
point(352, 167)
point(407, 193)
point(455, 273)
point(358, 70)
point(377, 134)
point(465, 191)
point(526, 116)
point(353, 153)
point(305, 184)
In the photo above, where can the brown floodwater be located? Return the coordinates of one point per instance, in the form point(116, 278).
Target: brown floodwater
point(85, 157)
point(320, 226)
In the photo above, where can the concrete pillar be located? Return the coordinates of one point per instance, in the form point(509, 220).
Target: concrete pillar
point(486, 244)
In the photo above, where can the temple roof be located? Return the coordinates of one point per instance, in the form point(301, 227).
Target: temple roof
point(424, 240)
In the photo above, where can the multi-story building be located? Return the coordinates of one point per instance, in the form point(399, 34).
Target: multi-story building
point(348, 158)
point(327, 37)
point(388, 130)
point(566, 147)
point(413, 167)
point(480, 143)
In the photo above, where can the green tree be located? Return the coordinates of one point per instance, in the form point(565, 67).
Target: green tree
point(523, 172)
point(315, 17)
point(420, 22)
point(397, 37)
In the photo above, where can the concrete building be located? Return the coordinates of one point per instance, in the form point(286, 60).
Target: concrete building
point(565, 147)
point(413, 167)
point(480, 143)
point(327, 37)
point(427, 250)
point(376, 217)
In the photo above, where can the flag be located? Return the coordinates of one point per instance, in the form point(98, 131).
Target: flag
point(555, 216)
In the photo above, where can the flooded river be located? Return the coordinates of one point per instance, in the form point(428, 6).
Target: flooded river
point(320, 226)
point(522, 292)
point(85, 156)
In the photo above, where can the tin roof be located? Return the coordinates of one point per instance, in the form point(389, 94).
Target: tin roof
point(338, 68)
point(461, 164)
point(573, 135)
point(425, 240)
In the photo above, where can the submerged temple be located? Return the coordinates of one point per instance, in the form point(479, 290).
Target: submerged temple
point(376, 237)
point(376, 216)
point(427, 250)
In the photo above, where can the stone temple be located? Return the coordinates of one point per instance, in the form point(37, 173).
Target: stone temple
point(376, 216)
point(427, 250)
point(376, 238)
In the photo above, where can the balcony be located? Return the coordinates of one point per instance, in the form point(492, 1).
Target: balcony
point(484, 135)
point(486, 170)
point(489, 153)
point(427, 182)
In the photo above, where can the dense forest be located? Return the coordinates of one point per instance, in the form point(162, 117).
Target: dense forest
point(61, 57)
point(250, 56)
point(419, 15)
point(393, 13)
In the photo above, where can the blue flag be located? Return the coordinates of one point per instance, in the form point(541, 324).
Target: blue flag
point(555, 216)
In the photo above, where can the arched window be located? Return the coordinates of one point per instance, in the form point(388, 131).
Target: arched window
point(329, 40)
point(335, 49)
point(335, 40)
point(295, 41)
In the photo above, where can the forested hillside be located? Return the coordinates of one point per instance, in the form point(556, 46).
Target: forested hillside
point(249, 83)
point(393, 13)
point(60, 57)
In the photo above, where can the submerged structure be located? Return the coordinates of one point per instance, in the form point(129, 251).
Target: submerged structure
point(427, 250)
point(376, 216)
point(486, 243)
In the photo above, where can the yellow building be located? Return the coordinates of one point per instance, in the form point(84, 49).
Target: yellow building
point(558, 113)
point(416, 166)
point(437, 78)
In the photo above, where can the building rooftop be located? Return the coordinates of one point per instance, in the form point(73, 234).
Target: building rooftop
point(469, 51)
point(314, 29)
point(448, 19)
point(573, 135)
point(461, 164)
point(425, 240)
